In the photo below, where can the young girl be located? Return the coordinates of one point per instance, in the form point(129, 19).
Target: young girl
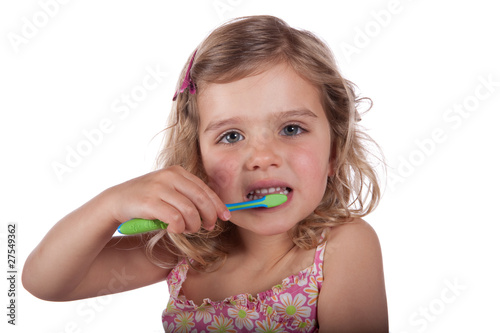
point(261, 108)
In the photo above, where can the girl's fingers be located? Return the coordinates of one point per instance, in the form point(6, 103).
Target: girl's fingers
point(195, 201)
point(221, 210)
point(189, 214)
point(172, 195)
point(172, 217)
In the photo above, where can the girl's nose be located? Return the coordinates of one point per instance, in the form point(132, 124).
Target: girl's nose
point(262, 155)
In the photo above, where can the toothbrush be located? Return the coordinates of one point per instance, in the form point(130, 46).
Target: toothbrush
point(138, 226)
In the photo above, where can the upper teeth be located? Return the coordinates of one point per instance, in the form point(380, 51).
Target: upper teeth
point(257, 194)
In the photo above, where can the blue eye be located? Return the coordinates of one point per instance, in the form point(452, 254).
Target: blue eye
point(291, 130)
point(231, 137)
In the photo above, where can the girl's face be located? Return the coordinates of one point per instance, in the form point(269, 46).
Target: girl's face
point(266, 133)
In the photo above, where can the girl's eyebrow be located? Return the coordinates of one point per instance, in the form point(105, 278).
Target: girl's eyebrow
point(215, 125)
point(300, 113)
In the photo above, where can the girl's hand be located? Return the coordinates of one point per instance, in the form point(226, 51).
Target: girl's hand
point(172, 195)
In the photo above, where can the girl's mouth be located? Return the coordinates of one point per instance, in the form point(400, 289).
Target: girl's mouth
point(259, 193)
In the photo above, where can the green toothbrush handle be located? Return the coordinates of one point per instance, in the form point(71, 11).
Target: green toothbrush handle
point(138, 226)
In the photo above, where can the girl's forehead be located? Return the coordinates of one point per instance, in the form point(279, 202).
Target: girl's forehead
point(279, 88)
point(278, 84)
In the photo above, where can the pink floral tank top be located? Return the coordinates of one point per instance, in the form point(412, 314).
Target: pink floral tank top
point(287, 307)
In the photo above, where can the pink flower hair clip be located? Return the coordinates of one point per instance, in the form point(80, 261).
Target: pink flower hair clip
point(188, 82)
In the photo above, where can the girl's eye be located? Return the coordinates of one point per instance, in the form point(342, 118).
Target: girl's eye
point(291, 130)
point(231, 137)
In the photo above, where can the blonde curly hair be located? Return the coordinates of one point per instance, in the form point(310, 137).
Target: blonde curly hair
point(248, 46)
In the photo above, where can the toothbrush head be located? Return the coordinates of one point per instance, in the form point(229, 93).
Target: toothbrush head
point(273, 200)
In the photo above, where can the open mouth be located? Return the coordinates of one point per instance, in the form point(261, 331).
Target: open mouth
point(259, 193)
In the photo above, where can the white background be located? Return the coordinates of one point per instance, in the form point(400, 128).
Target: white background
point(437, 222)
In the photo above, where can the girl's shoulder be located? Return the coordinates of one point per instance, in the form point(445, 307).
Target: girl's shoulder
point(358, 230)
point(352, 244)
point(354, 278)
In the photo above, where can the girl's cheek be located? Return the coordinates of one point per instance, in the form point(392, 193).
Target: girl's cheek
point(311, 164)
point(221, 175)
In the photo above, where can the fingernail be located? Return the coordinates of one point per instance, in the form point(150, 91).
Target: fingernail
point(226, 215)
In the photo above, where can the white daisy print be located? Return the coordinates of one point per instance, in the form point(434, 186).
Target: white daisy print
point(292, 307)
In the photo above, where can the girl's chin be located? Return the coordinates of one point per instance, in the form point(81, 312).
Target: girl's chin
point(266, 226)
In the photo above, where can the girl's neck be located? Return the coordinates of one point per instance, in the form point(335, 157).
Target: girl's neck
point(262, 252)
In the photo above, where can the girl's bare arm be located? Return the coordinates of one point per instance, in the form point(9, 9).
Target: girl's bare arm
point(78, 257)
